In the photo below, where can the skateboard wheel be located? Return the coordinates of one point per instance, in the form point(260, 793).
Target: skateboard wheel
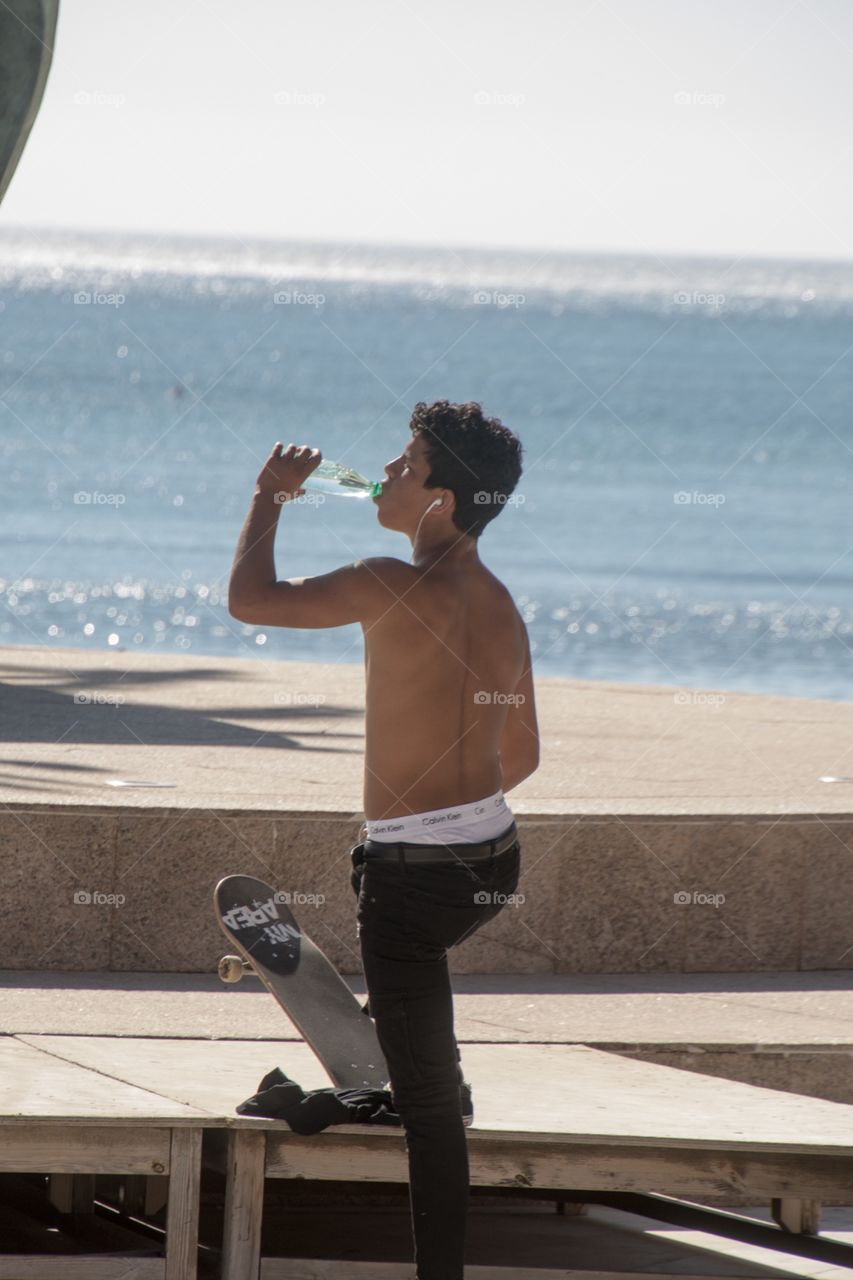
point(232, 968)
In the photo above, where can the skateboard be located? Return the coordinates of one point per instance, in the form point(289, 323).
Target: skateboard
point(259, 923)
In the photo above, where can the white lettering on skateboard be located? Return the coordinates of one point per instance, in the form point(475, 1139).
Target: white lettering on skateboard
point(246, 917)
point(281, 932)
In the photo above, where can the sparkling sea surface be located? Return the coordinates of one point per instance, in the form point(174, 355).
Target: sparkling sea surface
point(683, 517)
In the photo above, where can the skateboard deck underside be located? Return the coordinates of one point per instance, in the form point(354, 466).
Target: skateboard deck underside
point(303, 981)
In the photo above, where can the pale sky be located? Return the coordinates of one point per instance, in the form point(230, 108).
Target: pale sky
point(681, 126)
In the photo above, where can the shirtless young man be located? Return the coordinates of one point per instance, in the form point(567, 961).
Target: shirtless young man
point(450, 726)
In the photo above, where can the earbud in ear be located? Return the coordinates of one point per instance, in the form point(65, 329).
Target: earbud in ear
point(438, 502)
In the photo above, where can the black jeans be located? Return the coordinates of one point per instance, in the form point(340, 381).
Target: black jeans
point(408, 917)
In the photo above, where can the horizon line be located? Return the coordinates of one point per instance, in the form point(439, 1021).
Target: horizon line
point(201, 236)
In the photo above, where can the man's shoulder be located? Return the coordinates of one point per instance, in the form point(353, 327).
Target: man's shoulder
point(385, 577)
point(387, 568)
point(389, 574)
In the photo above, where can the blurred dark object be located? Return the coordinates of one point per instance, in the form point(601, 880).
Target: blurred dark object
point(27, 33)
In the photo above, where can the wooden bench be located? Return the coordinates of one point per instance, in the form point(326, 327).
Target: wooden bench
point(59, 1118)
point(568, 1117)
point(548, 1117)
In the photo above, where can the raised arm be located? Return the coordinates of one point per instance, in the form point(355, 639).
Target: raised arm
point(357, 592)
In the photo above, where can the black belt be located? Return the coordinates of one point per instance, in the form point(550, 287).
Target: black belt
point(401, 850)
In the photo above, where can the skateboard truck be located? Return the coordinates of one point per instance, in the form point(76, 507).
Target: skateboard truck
point(233, 968)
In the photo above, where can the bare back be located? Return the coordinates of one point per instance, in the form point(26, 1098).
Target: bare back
point(439, 665)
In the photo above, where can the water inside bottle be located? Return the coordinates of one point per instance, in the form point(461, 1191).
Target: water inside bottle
point(338, 480)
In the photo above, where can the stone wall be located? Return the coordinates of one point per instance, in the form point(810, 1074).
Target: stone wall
point(130, 889)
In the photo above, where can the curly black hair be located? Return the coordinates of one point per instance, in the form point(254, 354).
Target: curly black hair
point(477, 458)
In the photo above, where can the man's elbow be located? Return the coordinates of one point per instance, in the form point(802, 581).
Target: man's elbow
point(241, 609)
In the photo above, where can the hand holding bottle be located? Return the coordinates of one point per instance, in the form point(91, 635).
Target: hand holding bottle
point(285, 470)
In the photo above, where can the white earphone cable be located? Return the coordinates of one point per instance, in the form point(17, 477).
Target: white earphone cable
point(435, 503)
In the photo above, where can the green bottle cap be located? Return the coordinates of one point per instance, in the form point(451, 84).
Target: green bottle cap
point(376, 488)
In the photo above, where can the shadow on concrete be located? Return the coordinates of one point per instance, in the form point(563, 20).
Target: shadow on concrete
point(63, 676)
point(37, 714)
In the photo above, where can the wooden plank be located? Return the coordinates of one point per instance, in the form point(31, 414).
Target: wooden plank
point(381, 1157)
point(72, 1192)
point(244, 1205)
point(183, 1205)
point(84, 1149)
point(143, 1197)
point(580, 1094)
point(589, 1093)
point(191, 1120)
point(799, 1216)
point(79, 1266)
point(373, 1157)
point(211, 1076)
point(36, 1081)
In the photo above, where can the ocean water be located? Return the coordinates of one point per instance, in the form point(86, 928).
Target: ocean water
point(684, 514)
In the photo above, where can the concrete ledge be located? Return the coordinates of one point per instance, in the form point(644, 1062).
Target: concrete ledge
point(658, 836)
point(130, 890)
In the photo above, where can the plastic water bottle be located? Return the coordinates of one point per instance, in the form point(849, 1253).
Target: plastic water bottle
point(339, 480)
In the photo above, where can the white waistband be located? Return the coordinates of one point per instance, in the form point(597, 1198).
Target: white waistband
point(458, 824)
